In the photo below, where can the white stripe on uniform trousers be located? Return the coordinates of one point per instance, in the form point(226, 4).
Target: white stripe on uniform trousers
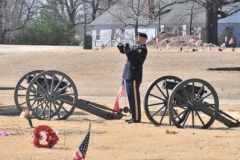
point(135, 99)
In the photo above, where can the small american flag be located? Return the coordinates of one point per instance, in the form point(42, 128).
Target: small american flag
point(198, 42)
point(82, 149)
point(231, 41)
point(191, 40)
point(121, 93)
point(226, 39)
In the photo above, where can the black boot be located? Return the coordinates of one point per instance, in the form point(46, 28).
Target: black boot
point(134, 121)
point(127, 120)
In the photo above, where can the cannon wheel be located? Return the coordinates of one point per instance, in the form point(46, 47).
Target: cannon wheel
point(47, 99)
point(156, 98)
point(185, 104)
point(20, 91)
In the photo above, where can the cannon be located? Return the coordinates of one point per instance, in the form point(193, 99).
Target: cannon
point(53, 93)
point(42, 81)
point(190, 103)
point(170, 85)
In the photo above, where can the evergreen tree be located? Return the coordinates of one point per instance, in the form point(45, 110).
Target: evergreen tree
point(47, 31)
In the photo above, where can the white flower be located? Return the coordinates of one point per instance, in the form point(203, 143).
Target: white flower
point(56, 131)
point(43, 134)
point(22, 115)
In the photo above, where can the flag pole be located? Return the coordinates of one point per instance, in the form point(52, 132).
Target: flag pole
point(89, 127)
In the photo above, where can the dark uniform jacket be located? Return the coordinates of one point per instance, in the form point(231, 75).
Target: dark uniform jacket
point(135, 59)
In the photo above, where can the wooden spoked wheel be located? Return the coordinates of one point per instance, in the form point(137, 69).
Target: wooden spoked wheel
point(21, 89)
point(51, 93)
point(194, 104)
point(156, 98)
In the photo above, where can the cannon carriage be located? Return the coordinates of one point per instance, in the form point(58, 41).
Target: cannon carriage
point(190, 103)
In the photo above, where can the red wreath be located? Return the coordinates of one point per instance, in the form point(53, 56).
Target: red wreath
point(51, 137)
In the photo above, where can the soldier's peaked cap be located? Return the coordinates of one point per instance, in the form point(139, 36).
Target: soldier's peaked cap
point(144, 35)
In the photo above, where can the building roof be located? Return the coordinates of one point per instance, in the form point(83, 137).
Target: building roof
point(115, 16)
point(181, 14)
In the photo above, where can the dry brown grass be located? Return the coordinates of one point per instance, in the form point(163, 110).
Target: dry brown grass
point(97, 75)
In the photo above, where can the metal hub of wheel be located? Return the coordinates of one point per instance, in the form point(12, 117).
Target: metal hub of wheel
point(156, 98)
point(199, 104)
point(51, 97)
point(20, 90)
point(51, 93)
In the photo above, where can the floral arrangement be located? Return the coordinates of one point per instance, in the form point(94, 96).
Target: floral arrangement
point(45, 133)
point(4, 133)
point(27, 114)
point(95, 48)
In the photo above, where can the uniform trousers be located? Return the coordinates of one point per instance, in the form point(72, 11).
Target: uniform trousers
point(132, 87)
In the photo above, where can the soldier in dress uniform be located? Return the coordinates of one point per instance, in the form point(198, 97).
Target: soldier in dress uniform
point(132, 73)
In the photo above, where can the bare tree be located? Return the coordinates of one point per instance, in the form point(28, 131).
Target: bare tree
point(213, 13)
point(1, 16)
point(139, 13)
point(56, 8)
point(132, 13)
point(191, 19)
point(15, 14)
point(78, 12)
point(160, 9)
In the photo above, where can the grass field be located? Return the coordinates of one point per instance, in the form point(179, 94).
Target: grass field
point(97, 76)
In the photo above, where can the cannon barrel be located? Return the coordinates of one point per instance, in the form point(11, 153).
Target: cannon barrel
point(40, 80)
point(170, 85)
